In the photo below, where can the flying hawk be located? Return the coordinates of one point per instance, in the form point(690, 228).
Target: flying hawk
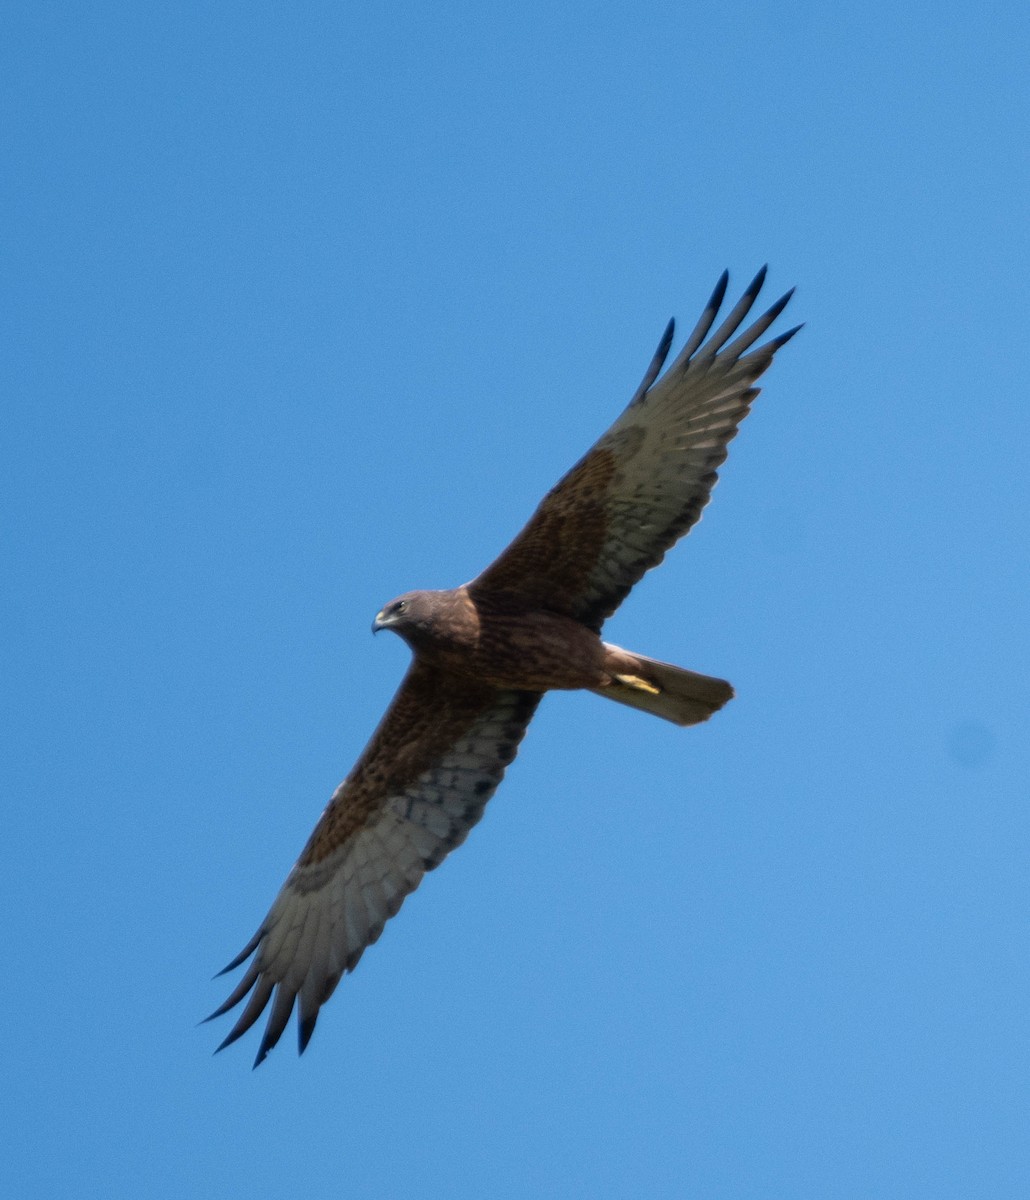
point(485, 653)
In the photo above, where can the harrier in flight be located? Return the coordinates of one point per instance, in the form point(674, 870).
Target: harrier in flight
point(485, 653)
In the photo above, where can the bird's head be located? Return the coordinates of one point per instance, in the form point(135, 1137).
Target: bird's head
point(406, 615)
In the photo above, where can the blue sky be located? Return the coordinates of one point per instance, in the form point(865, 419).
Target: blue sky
point(306, 306)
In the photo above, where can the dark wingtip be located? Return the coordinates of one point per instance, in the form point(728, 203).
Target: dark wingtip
point(720, 291)
point(656, 364)
point(784, 338)
point(268, 1041)
point(782, 303)
point(755, 286)
point(228, 1040)
point(221, 1010)
point(305, 1029)
point(243, 955)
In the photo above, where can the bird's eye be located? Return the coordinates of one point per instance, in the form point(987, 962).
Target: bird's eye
point(400, 607)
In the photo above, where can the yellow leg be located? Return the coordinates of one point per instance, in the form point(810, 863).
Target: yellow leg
point(634, 681)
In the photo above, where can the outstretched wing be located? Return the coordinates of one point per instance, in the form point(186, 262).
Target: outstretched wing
point(419, 787)
point(644, 483)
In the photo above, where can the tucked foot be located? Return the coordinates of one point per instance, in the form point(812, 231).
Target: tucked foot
point(641, 685)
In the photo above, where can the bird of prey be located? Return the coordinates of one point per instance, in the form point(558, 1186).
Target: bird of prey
point(485, 653)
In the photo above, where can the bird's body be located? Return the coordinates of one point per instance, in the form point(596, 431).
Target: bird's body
point(504, 646)
point(502, 643)
point(486, 652)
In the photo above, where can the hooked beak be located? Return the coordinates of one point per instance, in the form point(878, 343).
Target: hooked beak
point(382, 621)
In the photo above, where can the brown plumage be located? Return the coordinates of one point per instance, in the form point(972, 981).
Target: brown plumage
point(484, 654)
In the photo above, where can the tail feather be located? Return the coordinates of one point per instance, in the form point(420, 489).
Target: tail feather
point(681, 696)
